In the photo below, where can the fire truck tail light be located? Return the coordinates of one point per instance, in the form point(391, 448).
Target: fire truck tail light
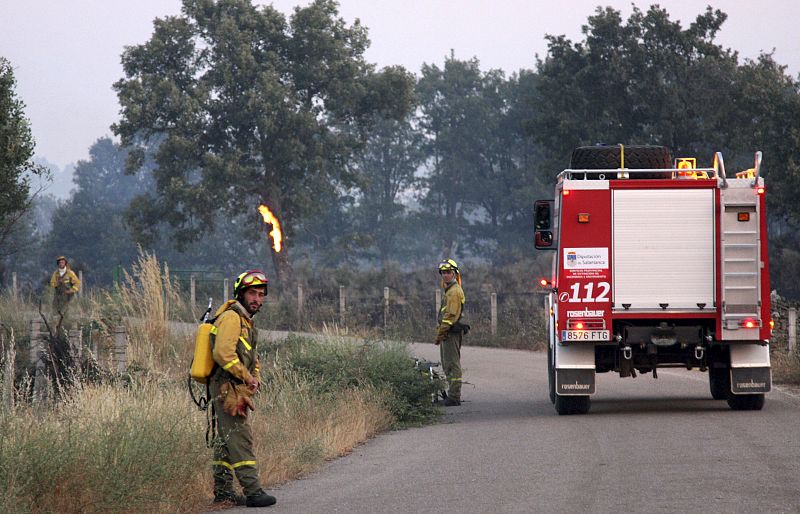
point(748, 323)
point(579, 325)
point(771, 325)
point(543, 282)
point(565, 192)
point(760, 190)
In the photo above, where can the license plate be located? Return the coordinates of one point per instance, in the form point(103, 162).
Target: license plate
point(585, 335)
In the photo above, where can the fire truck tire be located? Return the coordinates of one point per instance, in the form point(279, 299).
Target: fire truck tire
point(566, 405)
point(719, 381)
point(608, 157)
point(746, 401)
point(551, 375)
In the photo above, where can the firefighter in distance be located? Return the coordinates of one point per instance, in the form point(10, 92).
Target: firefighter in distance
point(450, 331)
point(65, 284)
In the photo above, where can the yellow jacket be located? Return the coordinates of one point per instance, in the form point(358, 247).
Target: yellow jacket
point(69, 283)
point(234, 343)
point(450, 311)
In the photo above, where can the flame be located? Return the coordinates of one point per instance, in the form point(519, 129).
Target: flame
point(275, 233)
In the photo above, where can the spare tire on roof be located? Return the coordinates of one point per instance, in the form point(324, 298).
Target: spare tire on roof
point(637, 157)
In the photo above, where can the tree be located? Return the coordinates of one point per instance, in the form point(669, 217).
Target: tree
point(90, 227)
point(252, 109)
point(647, 81)
point(17, 168)
point(481, 181)
point(451, 118)
point(504, 168)
point(388, 169)
point(650, 81)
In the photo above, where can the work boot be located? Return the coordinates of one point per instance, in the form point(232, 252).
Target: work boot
point(230, 497)
point(260, 499)
point(451, 402)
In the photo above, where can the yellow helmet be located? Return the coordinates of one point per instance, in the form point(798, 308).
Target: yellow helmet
point(250, 278)
point(448, 265)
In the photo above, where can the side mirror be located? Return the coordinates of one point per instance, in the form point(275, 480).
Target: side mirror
point(542, 215)
point(543, 239)
point(543, 224)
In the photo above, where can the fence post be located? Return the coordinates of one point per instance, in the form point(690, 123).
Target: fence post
point(121, 348)
point(193, 294)
point(342, 298)
point(83, 286)
point(36, 340)
point(494, 313)
point(438, 303)
point(14, 285)
point(225, 287)
point(385, 307)
point(75, 343)
point(792, 329)
point(299, 301)
point(37, 346)
point(8, 370)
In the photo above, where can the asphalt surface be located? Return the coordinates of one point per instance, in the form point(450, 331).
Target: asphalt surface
point(647, 445)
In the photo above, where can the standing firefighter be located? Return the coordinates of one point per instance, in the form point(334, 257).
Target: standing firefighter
point(65, 283)
point(234, 380)
point(450, 331)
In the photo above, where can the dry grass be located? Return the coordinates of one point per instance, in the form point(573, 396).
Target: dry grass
point(298, 429)
point(785, 367)
point(106, 449)
point(137, 444)
point(139, 449)
point(148, 301)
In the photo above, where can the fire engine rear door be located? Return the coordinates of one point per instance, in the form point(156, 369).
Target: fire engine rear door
point(663, 249)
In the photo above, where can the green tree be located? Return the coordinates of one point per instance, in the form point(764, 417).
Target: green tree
point(451, 116)
point(17, 169)
point(504, 179)
point(90, 227)
point(252, 109)
point(481, 177)
point(644, 81)
point(388, 172)
point(651, 81)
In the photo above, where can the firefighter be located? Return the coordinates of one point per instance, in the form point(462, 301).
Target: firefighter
point(450, 330)
point(65, 283)
point(235, 378)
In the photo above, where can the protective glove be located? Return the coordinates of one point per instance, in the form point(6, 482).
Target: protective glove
point(243, 400)
point(236, 400)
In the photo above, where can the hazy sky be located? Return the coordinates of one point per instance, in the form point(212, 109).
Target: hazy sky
point(66, 54)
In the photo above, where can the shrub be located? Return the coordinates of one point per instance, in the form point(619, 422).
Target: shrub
point(338, 363)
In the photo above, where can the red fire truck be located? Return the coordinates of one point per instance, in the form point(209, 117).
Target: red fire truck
point(657, 263)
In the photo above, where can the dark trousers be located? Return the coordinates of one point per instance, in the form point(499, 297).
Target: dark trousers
point(450, 353)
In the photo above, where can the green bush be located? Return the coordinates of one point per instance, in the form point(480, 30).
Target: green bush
point(339, 364)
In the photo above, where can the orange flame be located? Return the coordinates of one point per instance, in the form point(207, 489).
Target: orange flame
point(275, 233)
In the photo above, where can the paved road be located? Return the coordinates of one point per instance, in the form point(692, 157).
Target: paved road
point(647, 446)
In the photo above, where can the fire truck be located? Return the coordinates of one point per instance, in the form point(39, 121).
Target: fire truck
point(657, 263)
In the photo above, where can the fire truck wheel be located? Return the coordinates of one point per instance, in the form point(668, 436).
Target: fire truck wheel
point(719, 381)
point(608, 157)
point(551, 375)
point(746, 401)
point(566, 405)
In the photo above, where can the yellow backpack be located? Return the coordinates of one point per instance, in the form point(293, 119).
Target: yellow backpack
point(203, 361)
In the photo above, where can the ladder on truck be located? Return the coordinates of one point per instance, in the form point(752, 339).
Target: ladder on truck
point(740, 255)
